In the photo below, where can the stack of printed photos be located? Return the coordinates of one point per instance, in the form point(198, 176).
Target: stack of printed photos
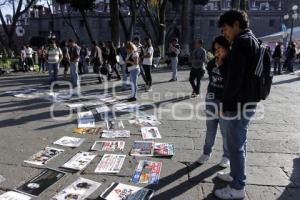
point(86, 120)
point(150, 148)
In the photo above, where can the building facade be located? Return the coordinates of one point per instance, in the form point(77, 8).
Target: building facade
point(266, 17)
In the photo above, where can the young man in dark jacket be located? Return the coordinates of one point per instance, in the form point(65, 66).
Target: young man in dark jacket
point(238, 100)
point(277, 57)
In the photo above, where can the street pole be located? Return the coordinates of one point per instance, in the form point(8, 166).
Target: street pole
point(292, 29)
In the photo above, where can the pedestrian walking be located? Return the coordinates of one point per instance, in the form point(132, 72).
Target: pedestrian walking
point(54, 57)
point(148, 52)
point(96, 60)
point(122, 55)
point(74, 52)
point(174, 49)
point(277, 54)
point(239, 99)
point(112, 60)
point(290, 57)
point(42, 58)
point(65, 63)
point(198, 59)
point(217, 70)
point(82, 60)
point(23, 59)
point(132, 64)
point(29, 58)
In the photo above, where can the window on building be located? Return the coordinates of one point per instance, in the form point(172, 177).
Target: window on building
point(211, 23)
point(272, 22)
point(81, 23)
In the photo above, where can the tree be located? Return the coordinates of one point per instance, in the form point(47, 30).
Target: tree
point(82, 6)
point(114, 17)
point(68, 17)
point(10, 29)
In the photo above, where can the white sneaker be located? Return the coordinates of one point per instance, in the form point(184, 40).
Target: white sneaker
point(224, 176)
point(150, 89)
point(230, 193)
point(204, 158)
point(224, 162)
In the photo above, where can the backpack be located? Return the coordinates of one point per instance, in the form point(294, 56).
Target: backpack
point(263, 75)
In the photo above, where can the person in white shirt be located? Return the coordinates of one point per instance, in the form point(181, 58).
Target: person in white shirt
point(54, 57)
point(29, 60)
point(23, 59)
point(147, 63)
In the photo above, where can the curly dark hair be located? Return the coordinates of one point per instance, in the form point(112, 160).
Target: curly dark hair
point(230, 17)
point(222, 41)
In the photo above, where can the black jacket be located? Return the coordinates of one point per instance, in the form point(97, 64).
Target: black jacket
point(277, 52)
point(243, 58)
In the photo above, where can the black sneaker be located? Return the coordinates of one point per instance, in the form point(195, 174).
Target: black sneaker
point(132, 99)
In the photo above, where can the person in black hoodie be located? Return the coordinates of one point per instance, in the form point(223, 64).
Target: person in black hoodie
point(277, 57)
point(217, 70)
point(238, 99)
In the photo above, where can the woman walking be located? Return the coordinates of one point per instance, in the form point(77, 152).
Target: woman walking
point(147, 63)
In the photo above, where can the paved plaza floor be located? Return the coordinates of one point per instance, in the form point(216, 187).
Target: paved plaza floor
point(273, 158)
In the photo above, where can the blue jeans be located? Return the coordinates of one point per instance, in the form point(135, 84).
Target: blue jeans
point(212, 122)
point(277, 65)
point(124, 76)
point(53, 70)
point(174, 64)
point(237, 129)
point(134, 74)
point(74, 73)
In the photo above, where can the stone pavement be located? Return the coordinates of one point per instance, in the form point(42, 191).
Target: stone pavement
point(273, 165)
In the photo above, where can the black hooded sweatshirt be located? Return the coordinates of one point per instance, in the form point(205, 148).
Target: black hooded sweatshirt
point(243, 58)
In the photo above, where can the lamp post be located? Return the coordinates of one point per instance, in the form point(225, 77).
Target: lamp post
point(294, 16)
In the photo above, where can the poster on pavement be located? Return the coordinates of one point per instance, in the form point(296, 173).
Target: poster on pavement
point(11, 195)
point(42, 157)
point(69, 141)
point(164, 149)
point(142, 148)
point(120, 191)
point(150, 133)
point(80, 161)
point(35, 186)
point(108, 146)
point(79, 190)
point(147, 172)
point(110, 163)
point(115, 134)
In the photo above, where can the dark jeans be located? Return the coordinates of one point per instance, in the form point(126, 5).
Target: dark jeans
point(196, 75)
point(277, 65)
point(114, 69)
point(148, 77)
point(290, 64)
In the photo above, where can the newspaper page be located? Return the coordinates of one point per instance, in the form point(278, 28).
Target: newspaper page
point(80, 161)
point(112, 124)
point(150, 133)
point(115, 134)
point(108, 146)
point(69, 141)
point(11, 195)
point(142, 148)
point(103, 109)
point(41, 182)
point(79, 190)
point(86, 120)
point(42, 157)
point(164, 149)
point(88, 131)
point(147, 172)
point(110, 163)
point(120, 191)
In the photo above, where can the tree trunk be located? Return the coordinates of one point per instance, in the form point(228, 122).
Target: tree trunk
point(185, 31)
point(114, 17)
point(68, 20)
point(162, 28)
point(235, 4)
point(87, 26)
